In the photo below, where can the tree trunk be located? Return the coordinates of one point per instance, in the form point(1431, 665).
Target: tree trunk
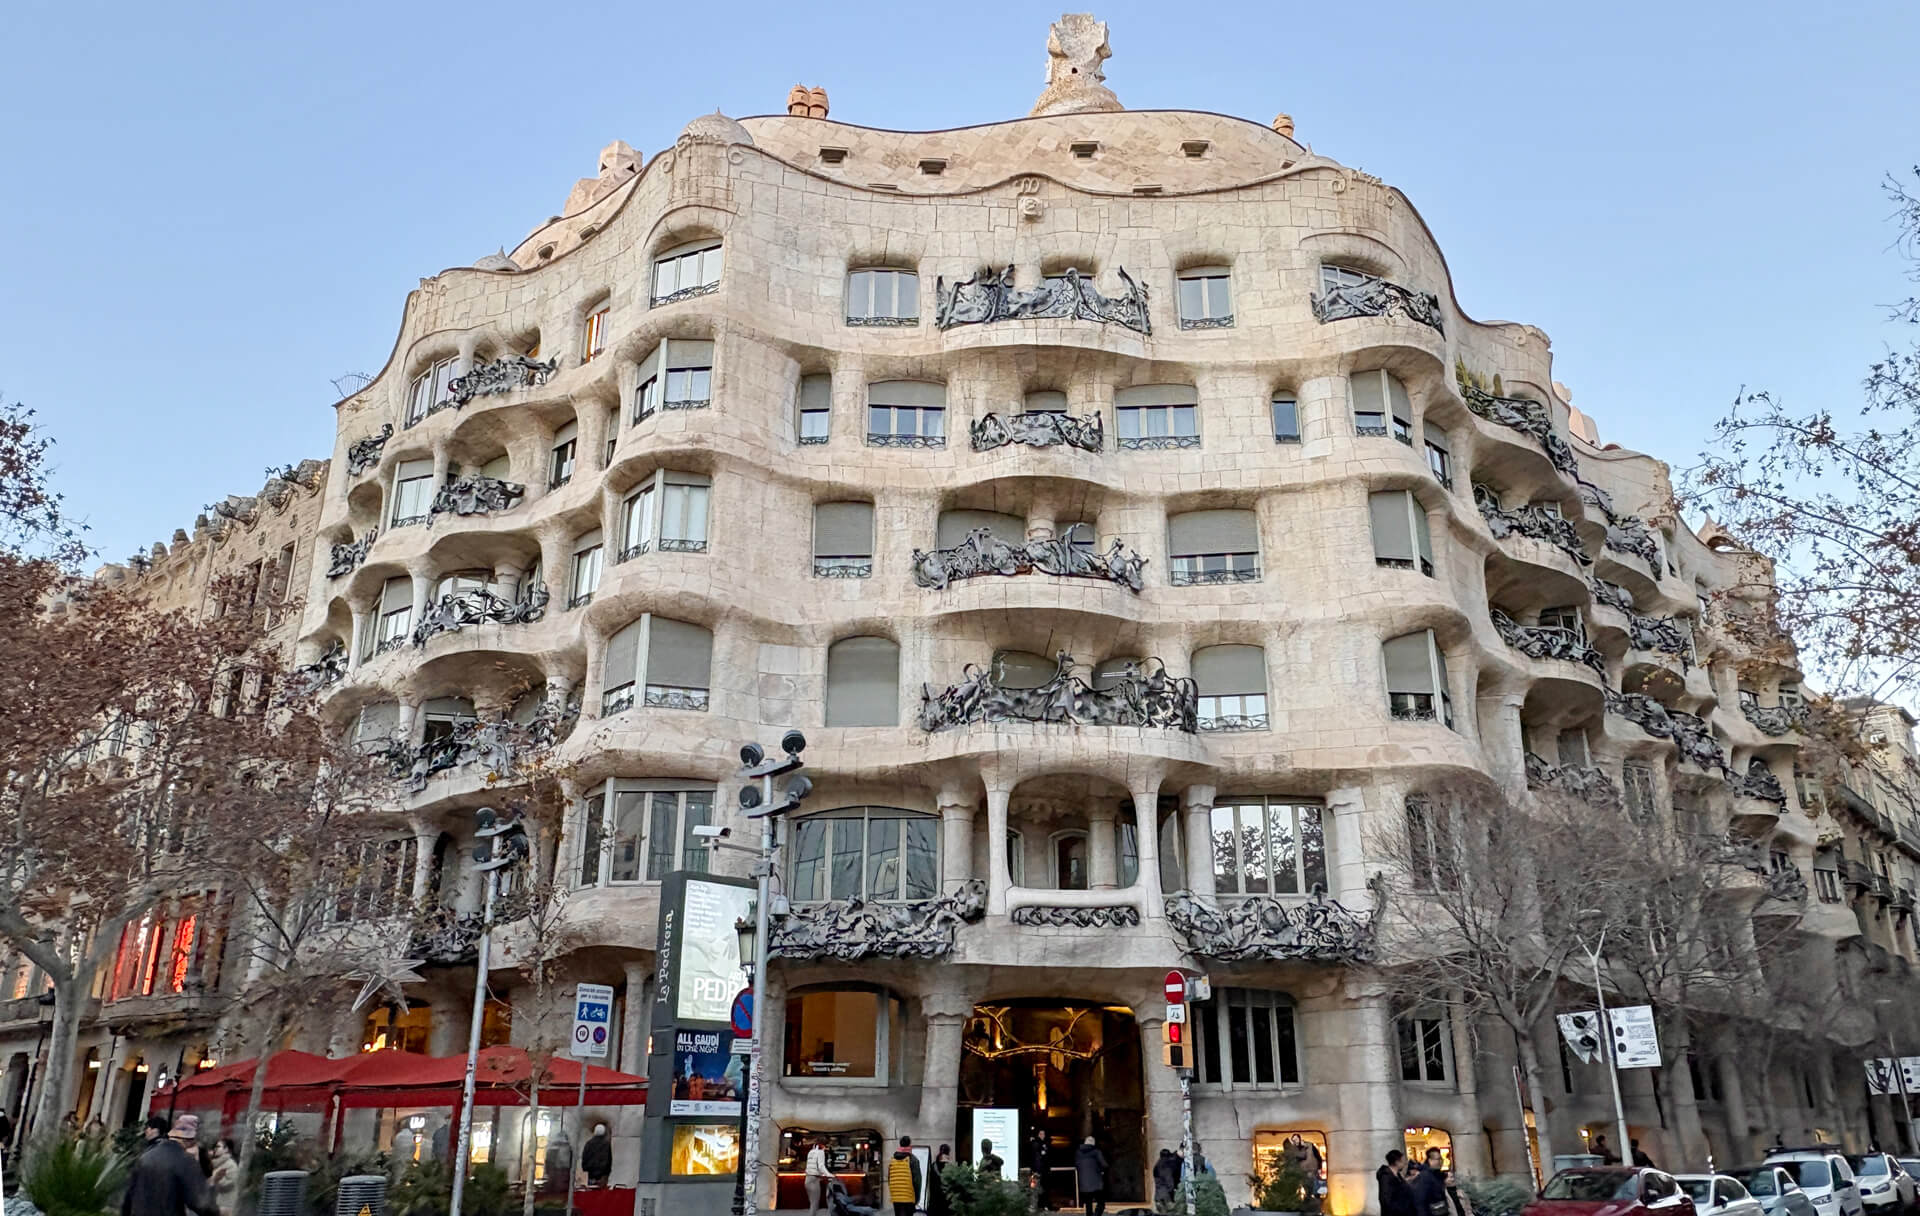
point(1536, 1086)
point(246, 1136)
point(531, 1136)
point(63, 1037)
point(1674, 1085)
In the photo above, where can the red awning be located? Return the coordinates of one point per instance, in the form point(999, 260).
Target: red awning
point(298, 1080)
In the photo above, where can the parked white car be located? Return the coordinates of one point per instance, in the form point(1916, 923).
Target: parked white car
point(1774, 1187)
point(1719, 1195)
point(1885, 1185)
point(1826, 1178)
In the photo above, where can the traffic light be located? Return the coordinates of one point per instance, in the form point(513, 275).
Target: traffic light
point(753, 802)
point(1173, 1043)
point(498, 842)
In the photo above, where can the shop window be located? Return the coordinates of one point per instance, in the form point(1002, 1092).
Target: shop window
point(1426, 1049)
point(840, 1034)
point(1265, 846)
point(873, 853)
point(704, 1150)
point(388, 1029)
point(1419, 1139)
point(1244, 1037)
point(1268, 1147)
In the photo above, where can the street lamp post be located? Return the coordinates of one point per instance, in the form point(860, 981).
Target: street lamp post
point(748, 931)
point(501, 843)
point(1625, 1147)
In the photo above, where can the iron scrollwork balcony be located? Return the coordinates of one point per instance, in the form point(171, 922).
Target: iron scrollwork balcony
point(1221, 322)
point(1589, 783)
point(363, 454)
point(850, 930)
point(685, 293)
point(345, 559)
point(681, 544)
point(983, 553)
point(1057, 916)
point(1787, 884)
point(1530, 521)
point(1373, 296)
point(989, 296)
point(1775, 720)
point(1197, 572)
point(499, 376)
point(498, 743)
point(479, 607)
point(1262, 927)
point(1038, 429)
point(1625, 533)
point(666, 696)
point(309, 678)
point(475, 495)
point(1130, 698)
point(1156, 443)
point(1759, 782)
point(1659, 633)
point(1548, 642)
point(1613, 595)
point(877, 439)
point(638, 549)
point(1530, 418)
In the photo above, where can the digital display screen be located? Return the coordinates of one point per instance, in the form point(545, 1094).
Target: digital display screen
point(710, 975)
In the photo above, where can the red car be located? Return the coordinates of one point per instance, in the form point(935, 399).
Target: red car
point(1611, 1190)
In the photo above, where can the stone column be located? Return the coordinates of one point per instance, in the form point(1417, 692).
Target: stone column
point(1145, 788)
point(636, 1019)
point(358, 636)
point(998, 878)
point(1197, 812)
point(408, 710)
point(507, 573)
point(1103, 854)
point(422, 575)
point(424, 837)
point(1369, 1103)
point(956, 838)
point(559, 688)
point(1470, 1151)
point(947, 1013)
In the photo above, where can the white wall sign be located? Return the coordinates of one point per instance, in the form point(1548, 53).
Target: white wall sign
point(1636, 1044)
point(1001, 1125)
point(1880, 1078)
point(592, 1021)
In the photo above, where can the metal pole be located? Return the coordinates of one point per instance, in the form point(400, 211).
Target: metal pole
point(579, 1126)
point(473, 1046)
point(1186, 1140)
point(1625, 1148)
point(763, 893)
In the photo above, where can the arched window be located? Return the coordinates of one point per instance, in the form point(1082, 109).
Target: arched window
point(906, 414)
point(863, 682)
point(660, 662)
point(687, 270)
point(866, 852)
point(883, 296)
point(1205, 547)
point(1233, 687)
point(1416, 679)
point(1376, 395)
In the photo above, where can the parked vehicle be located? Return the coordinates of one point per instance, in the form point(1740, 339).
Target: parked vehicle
point(1719, 1195)
point(1826, 1178)
point(1912, 1166)
point(1611, 1191)
point(1774, 1187)
point(1884, 1185)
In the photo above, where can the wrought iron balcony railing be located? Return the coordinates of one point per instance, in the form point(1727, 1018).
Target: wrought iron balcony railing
point(329, 668)
point(1131, 697)
point(475, 495)
point(667, 696)
point(1759, 782)
point(990, 296)
point(1625, 533)
point(364, 454)
point(1038, 429)
point(1548, 642)
point(345, 559)
point(1530, 521)
point(1270, 927)
point(842, 567)
point(1775, 720)
point(1377, 297)
point(1065, 556)
point(479, 607)
point(1787, 884)
point(1589, 783)
point(1530, 418)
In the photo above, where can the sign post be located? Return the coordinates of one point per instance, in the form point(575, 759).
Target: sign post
point(592, 1019)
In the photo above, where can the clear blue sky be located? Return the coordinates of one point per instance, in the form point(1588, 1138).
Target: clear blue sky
point(213, 209)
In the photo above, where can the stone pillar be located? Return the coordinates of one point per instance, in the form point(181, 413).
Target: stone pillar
point(636, 1020)
point(1145, 788)
point(1470, 1151)
point(1502, 741)
point(556, 567)
point(998, 879)
point(442, 460)
point(559, 688)
point(1197, 810)
point(596, 426)
point(947, 1013)
point(956, 838)
point(422, 575)
point(357, 638)
point(408, 710)
point(1369, 1101)
point(1103, 853)
point(1734, 1097)
point(507, 573)
point(424, 837)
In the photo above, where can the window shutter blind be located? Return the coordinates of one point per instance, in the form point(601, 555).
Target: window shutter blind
point(1230, 531)
point(397, 594)
point(1421, 536)
point(684, 353)
point(1107, 674)
point(1364, 387)
point(1019, 669)
point(1397, 393)
point(1205, 272)
point(1157, 394)
point(816, 392)
point(678, 654)
point(623, 657)
point(843, 529)
point(906, 392)
point(863, 683)
point(1392, 525)
point(649, 366)
point(954, 526)
point(687, 479)
point(1046, 400)
point(1223, 671)
point(1409, 663)
point(1436, 435)
point(409, 469)
point(448, 707)
point(587, 541)
point(566, 434)
point(379, 721)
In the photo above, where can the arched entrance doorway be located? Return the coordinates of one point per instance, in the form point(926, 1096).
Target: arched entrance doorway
point(1059, 1072)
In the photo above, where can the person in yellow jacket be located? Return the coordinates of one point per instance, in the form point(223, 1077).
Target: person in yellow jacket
point(903, 1178)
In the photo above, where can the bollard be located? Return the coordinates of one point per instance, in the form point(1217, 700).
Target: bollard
point(362, 1195)
point(283, 1193)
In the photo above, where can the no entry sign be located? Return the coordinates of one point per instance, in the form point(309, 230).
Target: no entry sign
point(1176, 988)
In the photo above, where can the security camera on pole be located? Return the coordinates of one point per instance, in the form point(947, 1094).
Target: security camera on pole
point(500, 843)
point(758, 801)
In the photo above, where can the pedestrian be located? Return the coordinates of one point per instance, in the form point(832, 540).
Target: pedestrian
point(154, 1131)
point(225, 1180)
point(1166, 1176)
point(1429, 1187)
point(1601, 1149)
point(1640, 1157)
point(165, 1180)
point(596, 1157)
point(1396, 1197)
point(816, 1179)
point(1201, 1166)
point(937, 1204)
point(1091, 1166)
point(903, 1178)
point(559, 1159)
point(405, 1144)
point(1038, 1177)
point(989, 1165)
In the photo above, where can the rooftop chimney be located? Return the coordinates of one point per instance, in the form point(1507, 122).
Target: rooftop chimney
point(1283, 123)
point(804, 102)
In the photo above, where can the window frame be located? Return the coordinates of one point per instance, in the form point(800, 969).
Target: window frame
point(679, 259)
point(1419, 532)
point(1210, 282)
point(863, 814)
point(429, 388)
point(645, 509)
point(806, 414)
point(889, 1020)
point(1292, 403)
point(593, 333)
point(640, 689)
point(1391, 422)
point(1304, 880)
point(693, 856)
point(1233, 711)
point(595, 556)
point(1422, 1030)
point(1437, 675)
point(563, 459)
point(424, 482)
point(843, 565)
point(865, 281)
point(1213, 1057)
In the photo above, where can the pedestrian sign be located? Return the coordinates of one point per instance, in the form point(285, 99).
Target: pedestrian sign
point(592, 1021)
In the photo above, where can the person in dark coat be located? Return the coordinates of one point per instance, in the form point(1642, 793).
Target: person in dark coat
point(1091, 1165)
point(1640, 1157)
point(166, 1180)
point(1429, 1187)
point(1396, 1197)
point(989, 1163)
point(1166, 1176)
point(937, 1204)
point(596, 1156)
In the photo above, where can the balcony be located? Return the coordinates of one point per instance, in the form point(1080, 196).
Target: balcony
point(1530, 418)
point(1038, 429)
point(1694, 737)
point(1662, 634)
point(852, 930)
point(1773, 720)
point(1068, 556)
point(309, 678)
point(498, 743)
point(499, 376)
point(345, 559)
point(1268, 927)
point(475, 495)
point(1855, 875)
point(1588, 783)
point(479, 607)
point(1372, 296)
point(364, 454)
point(1759, 782)
point(1130, 698)
point(1788, 885)
point(1625, 533)
point(990, 296)
point(842, 567)
point(1548, 642)
point(1530, 521)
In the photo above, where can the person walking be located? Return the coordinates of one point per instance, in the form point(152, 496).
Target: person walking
point(903, 1178)
point(225, 1180)
point(816, 1179)
point(1166, 1176)
point(596, 1157)
point(166, 1180)
point(1429, 1187)
point(1090, 1164)
point(1640, 1157)
point(990, 1164)
point(1601, 1149)
point(937, 1204)
point(1396, 1196)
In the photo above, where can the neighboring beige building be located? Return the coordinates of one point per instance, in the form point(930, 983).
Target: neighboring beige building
point(804, 424)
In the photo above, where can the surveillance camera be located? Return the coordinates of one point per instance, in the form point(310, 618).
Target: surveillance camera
point(710, 831)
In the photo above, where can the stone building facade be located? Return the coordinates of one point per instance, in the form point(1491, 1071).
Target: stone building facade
point(1132, 520)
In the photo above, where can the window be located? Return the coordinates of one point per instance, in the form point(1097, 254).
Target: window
point(1416, 679)
point(1206, 547)
point(1425, 1051)
point(412, 492)
point(374, 879)
point(841, 1034)
point(641, 831)
point(594, 339)
point(816, 409)
point(678, 659)
point(1044, 401)
point(669, 506)
point(1339, 276)
point(1245, 1037)
point(566, 445)
point(686, 271)
point(1206, 298)
point(1022, 669)
point(866, 852)
point(636, 523)
point(1430, 846)
point(1376, 394)
point(906, 414)
point(1155, 416)
point(460, 583)
point(429, 388)
point(1016, 859)
point(843, 540)
point(393, 620)
point(1286, 419)
point(1401, 540)
point(1439, 454)
point(586, 570)
point(1233, 687)
point(1267, 846)
point(376, 725)
point(1572, 749)
point(883, 297)
point(676, 375)
point(1070, 861)
point(1638, 780)
point(863, 682)
point(1566, 619)
point(1791, 696)
point(956, 526)
point(444, 716)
